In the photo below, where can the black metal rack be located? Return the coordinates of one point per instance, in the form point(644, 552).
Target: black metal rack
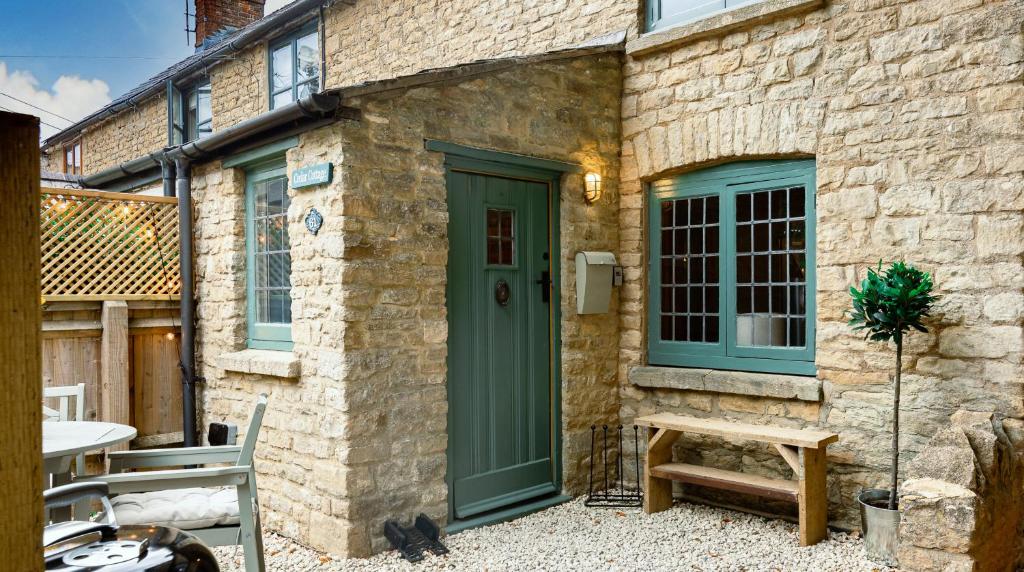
point(612, 492)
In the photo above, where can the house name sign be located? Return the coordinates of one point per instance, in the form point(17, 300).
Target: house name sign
point(310, 175)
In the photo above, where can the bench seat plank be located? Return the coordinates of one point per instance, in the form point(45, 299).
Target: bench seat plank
point(729, 480)
point(807, 438)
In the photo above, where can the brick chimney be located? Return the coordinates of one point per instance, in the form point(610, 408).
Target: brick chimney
point(214, 17)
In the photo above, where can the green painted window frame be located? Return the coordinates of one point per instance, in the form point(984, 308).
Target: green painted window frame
point(685, 11)
point(725, 181)
point(292, 40)
point(261, 336)
point(180, 127)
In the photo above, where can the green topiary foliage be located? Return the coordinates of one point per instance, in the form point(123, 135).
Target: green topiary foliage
point(892, 302)
point(889, 304)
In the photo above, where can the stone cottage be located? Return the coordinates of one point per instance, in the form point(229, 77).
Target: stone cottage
point(387, 199)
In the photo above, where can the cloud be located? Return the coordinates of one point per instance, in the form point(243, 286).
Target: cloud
point(71, 97)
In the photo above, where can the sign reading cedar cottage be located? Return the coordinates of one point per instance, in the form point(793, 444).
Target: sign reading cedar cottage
point(318, 174)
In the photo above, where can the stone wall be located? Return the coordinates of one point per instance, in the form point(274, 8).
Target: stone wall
point(369, 41)
point(298, 458)
point(913, 112)
point(360, 435)
point(128, 135)
point(961, 503)
point(395, 254)
point(380, 39)
point(239, 88)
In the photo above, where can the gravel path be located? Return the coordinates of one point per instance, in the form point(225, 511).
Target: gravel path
point(573, 537)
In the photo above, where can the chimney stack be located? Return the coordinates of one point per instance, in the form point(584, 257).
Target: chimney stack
point(214, 18)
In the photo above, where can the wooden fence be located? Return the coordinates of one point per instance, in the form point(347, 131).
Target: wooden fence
point(108, 246)
point(126, 354)
point(110, 289)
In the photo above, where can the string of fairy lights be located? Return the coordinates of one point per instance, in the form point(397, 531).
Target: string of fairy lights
point(61, 214)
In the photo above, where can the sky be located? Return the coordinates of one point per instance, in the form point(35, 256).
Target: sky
point(71, 57)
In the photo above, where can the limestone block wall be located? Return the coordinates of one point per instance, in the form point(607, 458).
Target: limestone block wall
point(394, 253)
point(128, 135)
point(300, 456)
point(370, 41)
point(961, 504)
point(239, 87)
point(360, 435)
point(380, 39)
point(913, 111)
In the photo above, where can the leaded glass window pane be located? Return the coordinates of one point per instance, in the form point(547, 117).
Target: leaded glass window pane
point(272, 286)
point(771, 268)
point(500, 237)
point(690, 270)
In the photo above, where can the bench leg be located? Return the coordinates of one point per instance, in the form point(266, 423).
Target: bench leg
point(658, 492)
point(813, 497)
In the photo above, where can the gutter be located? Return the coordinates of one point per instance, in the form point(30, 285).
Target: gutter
point(244, 38)
point(317, 106)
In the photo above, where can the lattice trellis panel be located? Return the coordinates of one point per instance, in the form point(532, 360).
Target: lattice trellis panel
point(108, 246)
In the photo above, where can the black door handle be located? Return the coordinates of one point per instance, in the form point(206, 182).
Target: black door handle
point(545, 286)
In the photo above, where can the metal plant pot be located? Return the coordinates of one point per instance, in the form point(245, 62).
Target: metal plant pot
point(881, 526)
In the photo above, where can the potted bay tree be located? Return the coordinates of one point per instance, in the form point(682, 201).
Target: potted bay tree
point(889, 304)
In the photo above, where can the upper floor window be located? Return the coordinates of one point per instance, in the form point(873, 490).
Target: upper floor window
point(732, 268)
point(294, 68)
point(664, 13)
point(73, 157)
point(190, 113)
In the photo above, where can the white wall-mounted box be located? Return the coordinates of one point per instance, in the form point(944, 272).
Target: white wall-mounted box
point(594, 277)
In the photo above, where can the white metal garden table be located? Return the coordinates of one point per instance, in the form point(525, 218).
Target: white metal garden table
point(64, 440)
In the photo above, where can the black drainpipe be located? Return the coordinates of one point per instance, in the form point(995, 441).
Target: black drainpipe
point(167, 173)
point(188, 323)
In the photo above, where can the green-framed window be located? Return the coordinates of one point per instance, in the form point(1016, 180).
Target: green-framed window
point(732, 271)
point(268, 257)
point(294, 67)
point(664, 13)
point(190, 112)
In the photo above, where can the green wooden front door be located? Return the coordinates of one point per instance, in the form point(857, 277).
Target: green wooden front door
point(499, 369)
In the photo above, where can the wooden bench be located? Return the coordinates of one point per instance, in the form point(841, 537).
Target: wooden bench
point(803, 450)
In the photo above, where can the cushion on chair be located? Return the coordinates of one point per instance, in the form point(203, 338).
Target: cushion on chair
point(186, 509)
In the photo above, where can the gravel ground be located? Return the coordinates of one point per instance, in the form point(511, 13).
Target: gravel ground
point(573, 537)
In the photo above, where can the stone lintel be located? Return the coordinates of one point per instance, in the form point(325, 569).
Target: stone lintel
point(735, 382)
point(717, 24)
point(263, 362)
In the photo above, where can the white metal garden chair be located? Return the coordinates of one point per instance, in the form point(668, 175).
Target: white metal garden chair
point(199, 500)
point(64, 394)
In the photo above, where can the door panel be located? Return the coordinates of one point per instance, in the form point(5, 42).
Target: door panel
point(499, 381)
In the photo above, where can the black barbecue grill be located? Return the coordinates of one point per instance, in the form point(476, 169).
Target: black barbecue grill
point(106, 547)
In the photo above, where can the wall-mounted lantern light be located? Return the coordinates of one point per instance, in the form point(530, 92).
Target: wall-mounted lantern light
point(591, 188)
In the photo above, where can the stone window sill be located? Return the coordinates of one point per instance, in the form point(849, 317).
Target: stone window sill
point(263, 362)
point(735, 382)
point(716, 24)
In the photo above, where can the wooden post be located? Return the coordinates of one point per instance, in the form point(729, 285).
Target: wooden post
point(21, 470)
point(812, 496)
point(658, 492)
point(115, 400)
